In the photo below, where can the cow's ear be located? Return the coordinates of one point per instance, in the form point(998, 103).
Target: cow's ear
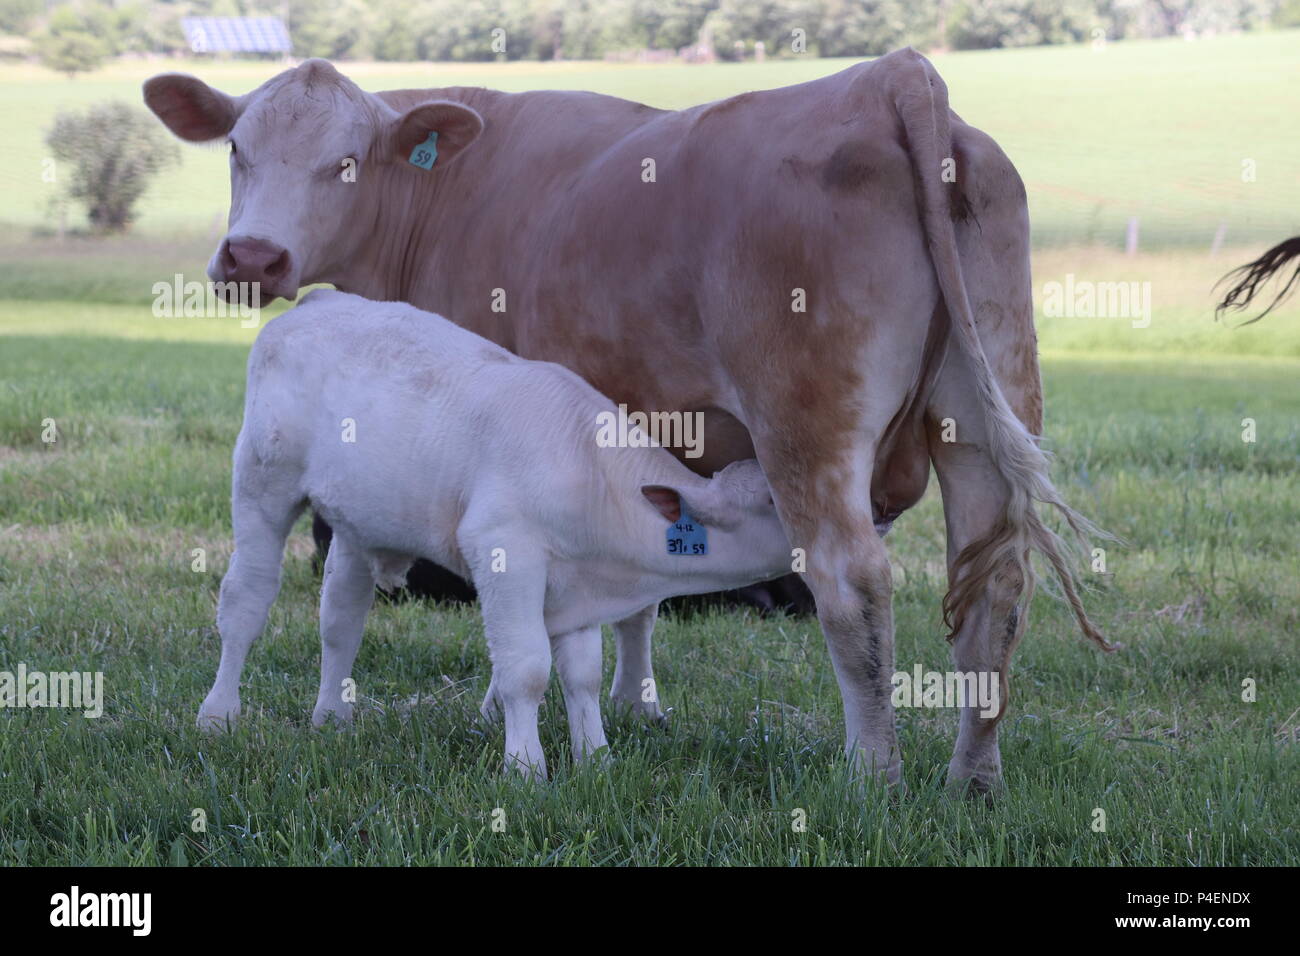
point(666, 500)
point(456, 125)
point(189, 107)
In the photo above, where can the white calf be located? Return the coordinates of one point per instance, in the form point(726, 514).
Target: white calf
point(415, 438)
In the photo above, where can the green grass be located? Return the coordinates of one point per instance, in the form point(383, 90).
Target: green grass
point(95, 574)
point(1153, 129)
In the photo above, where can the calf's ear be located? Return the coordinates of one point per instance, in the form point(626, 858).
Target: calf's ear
point(189, 107)
point(665, 500)
point(456, 125)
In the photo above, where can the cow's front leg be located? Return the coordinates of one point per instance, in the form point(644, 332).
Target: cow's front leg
point(634, 686)
point(578, 662)
point(850, 576)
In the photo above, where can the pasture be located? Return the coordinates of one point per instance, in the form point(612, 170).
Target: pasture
point(98, 532)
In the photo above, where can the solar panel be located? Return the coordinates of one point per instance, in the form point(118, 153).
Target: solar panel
point(236, 34)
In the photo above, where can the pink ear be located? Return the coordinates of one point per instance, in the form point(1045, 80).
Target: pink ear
point(667, 501)
point(189, 107)
point(456, 125)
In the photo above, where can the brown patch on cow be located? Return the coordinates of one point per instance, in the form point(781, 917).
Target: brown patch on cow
point(959, 206)
point(848, 167)
point(962, 188)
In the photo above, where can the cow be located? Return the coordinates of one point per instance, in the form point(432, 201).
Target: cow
point(488, 464)
point(835, 274)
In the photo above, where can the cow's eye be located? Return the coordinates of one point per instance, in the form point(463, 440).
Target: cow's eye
point(233, 149)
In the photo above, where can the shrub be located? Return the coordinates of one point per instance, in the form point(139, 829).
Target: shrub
point(114, 150)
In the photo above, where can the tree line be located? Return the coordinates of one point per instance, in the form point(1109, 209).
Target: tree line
point(440, 30)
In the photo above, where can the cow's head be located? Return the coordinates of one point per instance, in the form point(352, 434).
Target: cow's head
point(299, 146)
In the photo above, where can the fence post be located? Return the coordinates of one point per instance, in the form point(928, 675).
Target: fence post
point(1131, 237)
point(1219, 235)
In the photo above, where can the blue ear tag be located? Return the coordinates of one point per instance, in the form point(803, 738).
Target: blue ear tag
point(687, 536)
point(424, 154)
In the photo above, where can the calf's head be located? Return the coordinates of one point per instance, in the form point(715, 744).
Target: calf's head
point(737, 502)
point(306, 148)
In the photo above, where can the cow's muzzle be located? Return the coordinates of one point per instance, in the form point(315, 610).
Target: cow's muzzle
point(241, 261)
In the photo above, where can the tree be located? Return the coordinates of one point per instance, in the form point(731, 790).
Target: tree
point(873, 27)
point(113, 150)
point(17, 16)
point(71, 51)
point(771, 22)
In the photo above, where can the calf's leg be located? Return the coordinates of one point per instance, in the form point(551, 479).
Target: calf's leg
point(346, 595)
point(520, 650)
point(247, 592)
point(634, 686)
point(578, 662)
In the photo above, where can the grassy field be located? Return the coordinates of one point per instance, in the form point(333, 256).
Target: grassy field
point(1153, 129)
point(97, 533)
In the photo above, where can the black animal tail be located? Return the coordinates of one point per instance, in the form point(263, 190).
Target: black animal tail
point(1255, 274)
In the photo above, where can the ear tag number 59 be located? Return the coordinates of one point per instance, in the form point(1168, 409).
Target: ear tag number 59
point(425, 154)
point(687, 536)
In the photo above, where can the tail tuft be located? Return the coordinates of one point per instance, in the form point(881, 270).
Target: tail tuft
point(1255, 274)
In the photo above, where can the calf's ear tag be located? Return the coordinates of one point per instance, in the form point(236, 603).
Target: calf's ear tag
point(425, 154)
point(686, 536)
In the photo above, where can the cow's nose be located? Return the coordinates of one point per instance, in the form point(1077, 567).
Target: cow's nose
point(254, 260)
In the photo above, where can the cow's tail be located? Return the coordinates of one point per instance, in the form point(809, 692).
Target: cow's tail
point(1252, 277)
point(921, 100)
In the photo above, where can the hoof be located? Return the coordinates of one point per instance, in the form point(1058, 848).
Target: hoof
point(213, 722)
point(341, 717)
point(980, 788)
point(648, 712)
point(889, 780)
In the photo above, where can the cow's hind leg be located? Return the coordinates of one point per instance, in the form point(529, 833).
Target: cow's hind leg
point(346, 595)
point(989, 626)
point(994, 502)
point(262, 524)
